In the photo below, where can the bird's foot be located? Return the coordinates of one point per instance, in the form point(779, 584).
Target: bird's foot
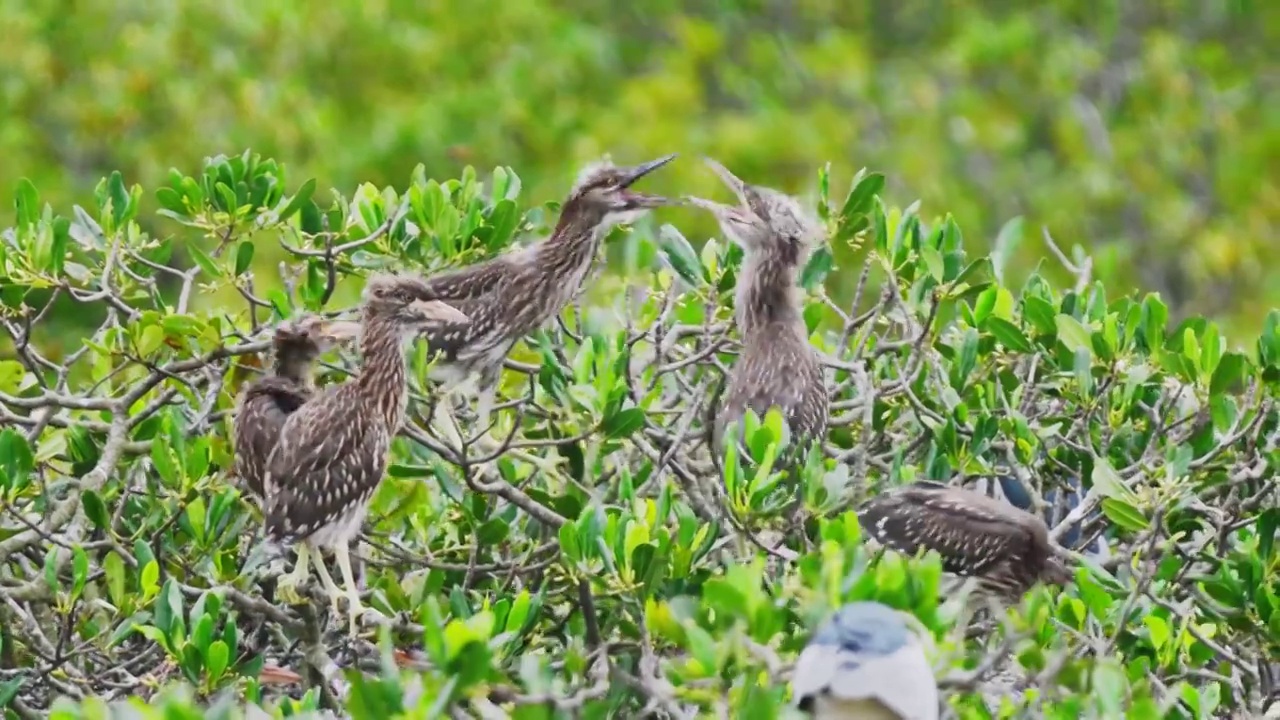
point(287, 589)
point(358, 614)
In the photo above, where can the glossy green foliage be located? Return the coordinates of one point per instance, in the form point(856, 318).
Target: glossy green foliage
point(639, 573)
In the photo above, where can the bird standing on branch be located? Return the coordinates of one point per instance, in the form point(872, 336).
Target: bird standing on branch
point(777, 367)
point(333, 451)
point(270, 400)
point(864, 663)
point(1005, 549)
point(507, 297)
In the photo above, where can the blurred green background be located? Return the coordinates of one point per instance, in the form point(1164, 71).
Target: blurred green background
point(1146, 131)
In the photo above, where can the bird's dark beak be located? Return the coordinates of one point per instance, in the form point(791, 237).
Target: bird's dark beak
point(637, 199)
point(722, 212)
point(435, 311)
point(340, 330)
point(735, 183)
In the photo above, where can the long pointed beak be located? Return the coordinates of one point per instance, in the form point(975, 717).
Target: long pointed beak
point(438, 311)
point(735, 183)
point(643, 169)
point(721, 211)
point(341, 330)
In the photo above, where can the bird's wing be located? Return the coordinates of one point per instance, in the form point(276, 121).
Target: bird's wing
point(971, 539)
point(901, 680)
point(980, 531)
point(264, 407)
point(330, 457)
point(472, 282)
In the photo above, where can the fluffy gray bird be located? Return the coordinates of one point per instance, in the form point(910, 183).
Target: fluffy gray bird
point(1005, 549)
point(864, 663)
point(268, 401)
point(333, 450)
point(777, 367)
point(509, 296)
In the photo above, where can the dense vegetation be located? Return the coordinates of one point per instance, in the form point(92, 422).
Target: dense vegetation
point(637, 579)
point(1145, 131)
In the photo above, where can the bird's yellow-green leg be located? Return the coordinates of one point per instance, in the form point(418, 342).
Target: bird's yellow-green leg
point(330, 588)
point(288, 584)
point(442, 418)
point(355, 609)
point(484, 406)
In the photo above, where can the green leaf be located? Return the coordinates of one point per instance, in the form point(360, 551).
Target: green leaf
point(1073, 334)
point(216, 659)
point(27, 202)
point(244, 256)
point(817, 268)
point(679, 254)
point(1108, 483)
point(202, 259)
point(16, 460)
point(299, 199)
point(861, 199)
point(113, 569)
point(623, 423)
point(1230, 373)
point(1040, 313)
point(1009, 335)
point(1125, 515)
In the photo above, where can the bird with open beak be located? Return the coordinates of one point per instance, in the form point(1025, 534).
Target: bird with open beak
point(777, 367)
point(509, 296)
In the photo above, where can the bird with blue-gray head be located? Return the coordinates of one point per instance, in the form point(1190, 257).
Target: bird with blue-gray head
point(865, 663)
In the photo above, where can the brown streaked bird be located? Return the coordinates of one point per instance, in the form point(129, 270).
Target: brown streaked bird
point(333, 450)
point(1007, 550)
point(509, 296)
point(270, 400)
point(777, 366)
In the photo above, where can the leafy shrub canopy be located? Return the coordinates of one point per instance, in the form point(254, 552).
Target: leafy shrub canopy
point(636, 579)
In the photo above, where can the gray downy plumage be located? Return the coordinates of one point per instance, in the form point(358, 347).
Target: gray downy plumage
point(333, 451)
point(1005, 549)
point(777, 366)
point(864, 662)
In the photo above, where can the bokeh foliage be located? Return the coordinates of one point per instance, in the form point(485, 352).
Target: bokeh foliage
point(1147, 131)
point(128, 558)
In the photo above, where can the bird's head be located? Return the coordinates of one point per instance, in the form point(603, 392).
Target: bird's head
point(603, 192)
point(398, 299)
point(309, 336)
point(1058, 571)
point(864, 628)
point(764, 219)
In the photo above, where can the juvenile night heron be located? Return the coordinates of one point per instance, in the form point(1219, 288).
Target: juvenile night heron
point(864, 663)
point(1005, 549)
point(1059, 502)
point(509, 296)
point(333, 450)
point(270, 400)
point(777, 367)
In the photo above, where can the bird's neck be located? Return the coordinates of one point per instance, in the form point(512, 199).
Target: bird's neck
point(383, 380)
point(767, 295)
point(572, 245)
point(291, 367)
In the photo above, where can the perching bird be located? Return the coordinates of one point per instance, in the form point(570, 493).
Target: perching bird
point(777, 367)
point(864, 663)
point(270, 400)
point(333, 451)
point(1005, 549)
point(514, 294)
point(1058, 506)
